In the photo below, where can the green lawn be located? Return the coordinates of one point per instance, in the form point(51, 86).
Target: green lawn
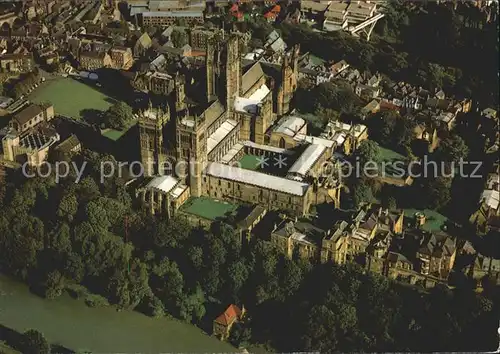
point(208, 208)
point(73, 325)
point(71, 97)
point(113, 134)
point(433, 220)
point(249, 162)
point(389, 158)
point(390, 155)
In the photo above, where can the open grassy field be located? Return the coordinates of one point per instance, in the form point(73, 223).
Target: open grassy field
point(71, 97)
point(208, 208)
point(73, 325)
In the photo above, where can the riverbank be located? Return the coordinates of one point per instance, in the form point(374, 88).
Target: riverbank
point(70, 323)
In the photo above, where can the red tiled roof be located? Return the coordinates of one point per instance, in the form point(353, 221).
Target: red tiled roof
point(270, 15)
point(232, 313)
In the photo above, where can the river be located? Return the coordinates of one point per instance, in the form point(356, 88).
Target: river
point(74, 325)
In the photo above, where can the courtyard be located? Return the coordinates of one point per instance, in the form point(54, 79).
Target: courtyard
point(207, 208)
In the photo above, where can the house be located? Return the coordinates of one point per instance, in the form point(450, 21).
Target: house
point(371, 107)
point(31, 116)
point(396, 261)
point(142, 44)
point(272, 14)
point(426, 133)
point(121, 57)
point(92, 60)
point(246, 226)
point(301, 238)
point(347, 137)
point(68, 147)
point(489, 113)
point(488, 211)
point(436, 255)
point(222, 324)
point(168, 18)
point(16, 62)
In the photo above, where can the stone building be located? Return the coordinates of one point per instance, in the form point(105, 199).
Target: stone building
point(93, 60)
point(28, 137)
point(121, 58)
point(16, 62)
point(234, 113)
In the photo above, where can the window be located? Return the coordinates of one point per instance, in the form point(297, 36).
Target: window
point(219, 183)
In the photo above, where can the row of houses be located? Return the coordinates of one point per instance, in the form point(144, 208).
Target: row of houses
point(385, 242)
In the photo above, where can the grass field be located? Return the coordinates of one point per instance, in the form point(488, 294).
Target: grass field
point(113, 134)
point(73, 325)
point(390, 155)
point(249, 162)
point(208, 208)
point(433, 220)
point(71, 97)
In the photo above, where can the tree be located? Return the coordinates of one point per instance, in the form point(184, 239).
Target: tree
point(362, 194)
point(382, 126)
point(68, 207)
point(119, 115)
point(389, 202)
point(61, 238)
point(34, 342)
point(368, 150)
point(179, 38)
point(155, 307)
point(96, 214)
point(54, 284)
point(438, 192)
point(453, 149)
point(240, 334)
point(87, 189)
point(237, 274)
point(192, 306)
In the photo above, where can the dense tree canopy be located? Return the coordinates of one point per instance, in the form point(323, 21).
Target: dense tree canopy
point(119, 115)
point(168, 267)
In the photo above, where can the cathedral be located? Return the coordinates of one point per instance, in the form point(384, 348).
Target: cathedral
point(193, 147)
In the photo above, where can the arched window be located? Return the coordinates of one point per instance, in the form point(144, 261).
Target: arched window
point(282, 143)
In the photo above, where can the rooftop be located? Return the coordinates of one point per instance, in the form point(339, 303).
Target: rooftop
point(221, 132)
point(163, 183)
point(172, 14)
point(28, 113)
point(257, 179)
point(304, 163)
point(290, 125)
